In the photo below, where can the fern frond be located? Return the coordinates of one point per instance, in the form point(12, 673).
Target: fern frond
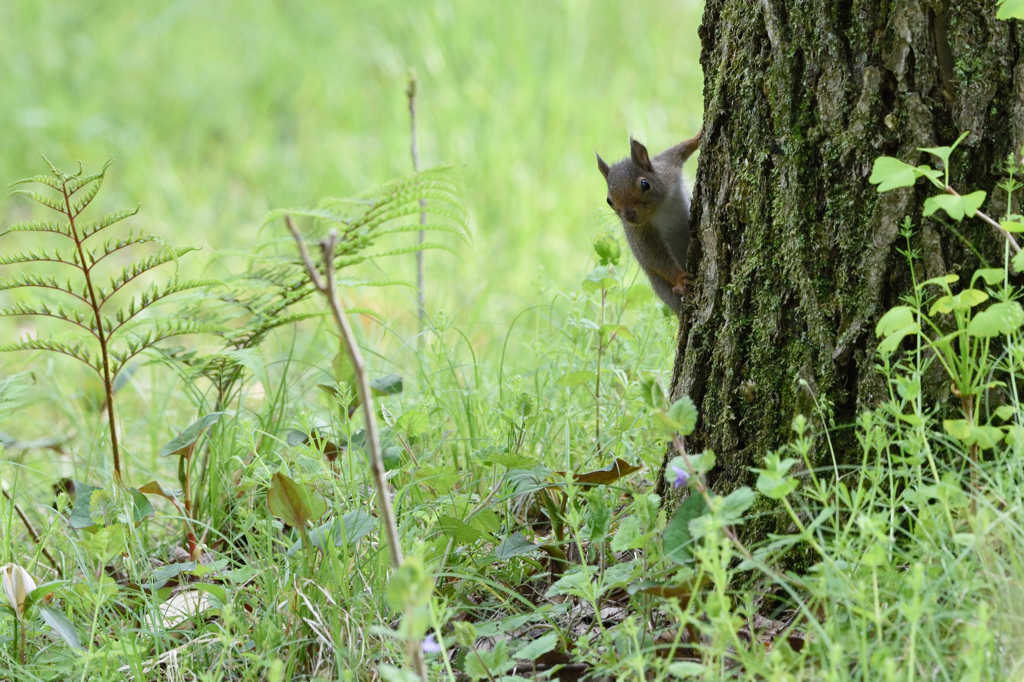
point(152, 296)
point(138, 268)
point(93, 188)
point(162, 330)
point(423, 246)
point(81, 181)
point(44, 199)
point(43, 256)
point(73, 316)
point(90, 228)
point(94, 256)
point(42, 282)
point(429, 227)
point(53, 226)
point(323, 214)
point(49, 180)
point(75, 347)
point(255, 331)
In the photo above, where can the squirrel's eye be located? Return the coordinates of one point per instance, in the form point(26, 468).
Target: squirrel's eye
point(609, 200)
point(644, 185)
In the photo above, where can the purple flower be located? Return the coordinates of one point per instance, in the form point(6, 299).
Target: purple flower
point(681, 477)
point(430, 645)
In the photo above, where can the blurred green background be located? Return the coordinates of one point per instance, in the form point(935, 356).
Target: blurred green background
point(217, 112)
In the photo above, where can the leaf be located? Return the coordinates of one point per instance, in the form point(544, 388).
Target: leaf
point(294, 503)
point(389, 384)
point(676, 539)
point(154, 488)
point(955, 206)
point(352, 527)
point(458, 530)
point(142, 508)
point(1010, 9)
point(514, 545)
point(538, 647)
point(81, 516)
point(611, 330)
point(412, 423)
point(1010, 226)
point(999, 319)
point(889, 173)
point(573, 379)
point(687, 670)
point(601, 277)
point(609, 474)
point(187, 439)
point(61, 625)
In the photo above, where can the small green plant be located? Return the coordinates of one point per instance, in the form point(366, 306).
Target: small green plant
point(115, 331)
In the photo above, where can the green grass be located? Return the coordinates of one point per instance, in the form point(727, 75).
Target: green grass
point(218, 113)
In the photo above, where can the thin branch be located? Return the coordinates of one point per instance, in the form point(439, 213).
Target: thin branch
point(421, 303)
point(1009, 237)
point(325, 284)
point(34, 533)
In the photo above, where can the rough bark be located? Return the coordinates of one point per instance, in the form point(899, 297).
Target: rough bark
point(795, 251)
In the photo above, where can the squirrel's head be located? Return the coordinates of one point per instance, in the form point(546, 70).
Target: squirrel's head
point(635, 191)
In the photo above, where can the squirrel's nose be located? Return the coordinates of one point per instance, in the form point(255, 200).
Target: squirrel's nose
point(629, 213)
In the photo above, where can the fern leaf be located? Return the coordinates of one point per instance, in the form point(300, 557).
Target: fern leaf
point(73, 316)
point(422, 246)
point(94, 256)
point(49, 180)
point(38, 226)
point(429, 227)
point(162, 330)
point(44, 199)
point(41, 282)
point(86, 230)
point(138, 268)
point(81, 181)
point(75, 347)
point(39, 257)
point(323, 214)
point(154, 295)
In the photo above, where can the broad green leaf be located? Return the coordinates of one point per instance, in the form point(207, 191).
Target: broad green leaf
point(735, 504)
point(684, 413)
point(458, 530)
point(687, 670)
point(608, 250)
point(1006, 412)
point(601, 277)
point(389, 384)
point(992, 276)
point(630, 535)
point(957, 428)
point(413, 423)
point(999, 319)
point(514, 545)
point(1010, 9)
point(943, 153)
point(986, 437)
point(677, 540)
point(81, 516)
point(896, 320)
point(343, 369)
point(577, 379)
point(61, 625)
point(142, 508)
point(186, 440)
point(607, 475)
point(955, 206)
point(889, 173)
point(346, 531)
point(538, 647)
point(1010, 226)
point(294, 503)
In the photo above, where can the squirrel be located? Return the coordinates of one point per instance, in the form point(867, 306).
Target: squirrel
point(653, 203)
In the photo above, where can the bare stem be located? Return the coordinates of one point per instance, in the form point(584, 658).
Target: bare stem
point(101, 335)
point(325, 284)
point(421, 301)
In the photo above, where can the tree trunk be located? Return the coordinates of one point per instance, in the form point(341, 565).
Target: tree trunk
point(796, 252)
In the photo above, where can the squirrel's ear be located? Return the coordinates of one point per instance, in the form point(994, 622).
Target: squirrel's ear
point(602, 166)
point(638, 152)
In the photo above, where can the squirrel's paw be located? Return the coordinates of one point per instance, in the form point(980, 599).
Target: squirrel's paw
point(684, 284)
